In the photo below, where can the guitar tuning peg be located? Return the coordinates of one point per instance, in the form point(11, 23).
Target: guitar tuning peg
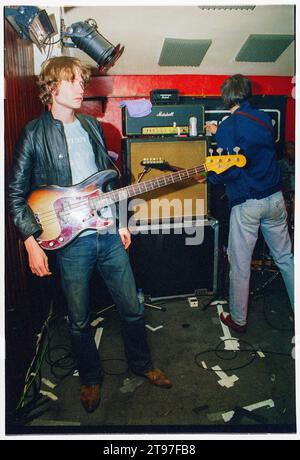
point(210, 151)
point(219, 151)
point(236, 149)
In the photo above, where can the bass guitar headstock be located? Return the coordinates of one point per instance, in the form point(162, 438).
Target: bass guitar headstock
point(220, 163)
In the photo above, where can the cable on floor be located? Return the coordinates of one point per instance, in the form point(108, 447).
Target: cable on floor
point(251, 350)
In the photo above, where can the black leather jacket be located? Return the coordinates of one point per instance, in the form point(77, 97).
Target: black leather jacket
point(42, 158)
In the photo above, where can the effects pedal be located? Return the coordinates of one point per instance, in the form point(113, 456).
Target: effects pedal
point(193, 302)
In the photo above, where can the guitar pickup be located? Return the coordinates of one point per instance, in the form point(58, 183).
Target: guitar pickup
point(37, 218)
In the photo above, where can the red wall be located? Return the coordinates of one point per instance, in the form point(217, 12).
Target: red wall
point(118, 88)
point(21, 104)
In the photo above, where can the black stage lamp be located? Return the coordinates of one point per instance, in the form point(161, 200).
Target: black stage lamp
point(86, 37)
point(30, 23)
point(34, 24)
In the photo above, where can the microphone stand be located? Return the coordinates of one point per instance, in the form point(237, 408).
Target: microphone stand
point(140, 177)
point(220, 295)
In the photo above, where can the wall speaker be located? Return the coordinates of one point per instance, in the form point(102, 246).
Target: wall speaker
point(181, 199)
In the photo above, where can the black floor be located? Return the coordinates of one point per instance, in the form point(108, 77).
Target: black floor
point(264, 367)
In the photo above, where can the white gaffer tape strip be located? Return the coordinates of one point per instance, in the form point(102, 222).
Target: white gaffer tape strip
point(49, 395)
point(230, 343)
point(98, 336)
point(219, 302)
point(226, 380)
point(48, 383)
point(97, 321)
point(153, 329)
point(261, 354)
point(227, 416)
point(204, 365)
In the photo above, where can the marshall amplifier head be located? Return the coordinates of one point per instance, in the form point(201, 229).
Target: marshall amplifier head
point(164, 96)
point(164, 120)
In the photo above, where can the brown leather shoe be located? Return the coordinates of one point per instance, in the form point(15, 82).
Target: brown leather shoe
point(228, 321)
point(158, 378)
point(90, 397)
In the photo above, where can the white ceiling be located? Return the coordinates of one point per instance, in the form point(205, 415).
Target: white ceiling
point(142, 30)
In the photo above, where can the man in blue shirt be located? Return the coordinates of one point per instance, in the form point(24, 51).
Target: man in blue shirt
point(254, 194)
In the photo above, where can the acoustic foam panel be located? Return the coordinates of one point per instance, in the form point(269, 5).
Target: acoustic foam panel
point(264, 47)
point(183, 52)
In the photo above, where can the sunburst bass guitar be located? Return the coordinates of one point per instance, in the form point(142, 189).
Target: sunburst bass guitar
point(65, 212)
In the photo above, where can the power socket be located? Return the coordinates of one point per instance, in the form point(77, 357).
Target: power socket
point(193, 302)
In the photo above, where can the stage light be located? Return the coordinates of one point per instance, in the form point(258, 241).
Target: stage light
point(86, 37)
point(34, 24)
point(31, 23)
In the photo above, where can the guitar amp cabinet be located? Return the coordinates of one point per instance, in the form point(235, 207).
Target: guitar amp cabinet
point(176, 259)
point(179, 152)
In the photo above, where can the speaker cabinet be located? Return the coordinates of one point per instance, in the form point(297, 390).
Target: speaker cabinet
point(171, 260)
point(187, 198)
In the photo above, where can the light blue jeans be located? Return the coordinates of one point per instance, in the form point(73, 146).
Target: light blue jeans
point(245, 219)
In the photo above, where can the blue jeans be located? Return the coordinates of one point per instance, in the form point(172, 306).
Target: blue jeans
point(270, 215)
point(77, 262)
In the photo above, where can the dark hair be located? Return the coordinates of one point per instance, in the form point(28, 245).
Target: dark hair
point(235, 90)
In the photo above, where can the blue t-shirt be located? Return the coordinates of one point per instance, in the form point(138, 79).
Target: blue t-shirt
point(81, 154)
point(261, 175)
point(82, 158)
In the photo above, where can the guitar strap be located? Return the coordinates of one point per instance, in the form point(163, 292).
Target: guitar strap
point(257, 120)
